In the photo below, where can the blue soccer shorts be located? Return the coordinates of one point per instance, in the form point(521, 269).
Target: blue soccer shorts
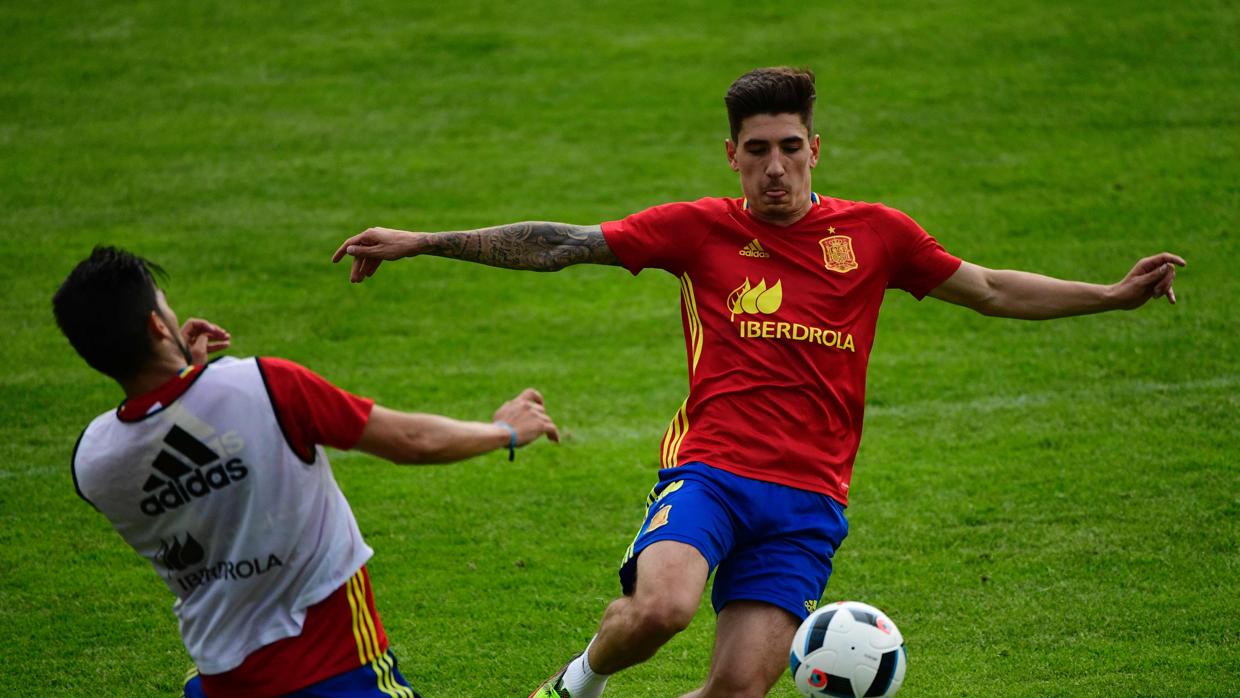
point(766, 542)
point(378, 679)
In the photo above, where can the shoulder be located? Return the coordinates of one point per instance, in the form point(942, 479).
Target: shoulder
point(702, 210)
point(886, 222)
point(290, 382)
point(231, 364)
point(706, 205)
point(97, 431)
point(874, 213)
point(712, 208)
point(229, 368)
point(716, 204)
point(235, 375)
point(91, 459)
point(265, 366)
point(277, 372)
point(268, 364)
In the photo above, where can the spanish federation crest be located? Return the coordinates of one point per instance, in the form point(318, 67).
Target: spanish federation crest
point(837, 253)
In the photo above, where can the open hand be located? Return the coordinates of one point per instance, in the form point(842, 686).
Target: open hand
point(203, 338)
point(528, 416)
point(1152, 277)
point(370, 247)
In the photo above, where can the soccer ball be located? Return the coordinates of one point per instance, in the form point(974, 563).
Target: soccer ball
point(848, 649)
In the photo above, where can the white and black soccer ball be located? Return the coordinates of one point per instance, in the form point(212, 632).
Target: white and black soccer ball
point(850, 650)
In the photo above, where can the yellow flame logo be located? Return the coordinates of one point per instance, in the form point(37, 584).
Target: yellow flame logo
point(748, 300)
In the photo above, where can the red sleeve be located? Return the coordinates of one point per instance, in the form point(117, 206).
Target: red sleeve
point(662, 237)
point(312, 411)
point(919, 262)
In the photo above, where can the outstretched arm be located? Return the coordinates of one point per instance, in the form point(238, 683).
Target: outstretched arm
point(1026, 296)
point(534, 246)
point(407, 437)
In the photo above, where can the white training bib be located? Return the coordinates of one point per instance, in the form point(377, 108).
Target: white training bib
point(243, 532)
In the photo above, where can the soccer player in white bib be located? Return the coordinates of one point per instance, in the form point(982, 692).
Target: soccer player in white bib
point(216, 474)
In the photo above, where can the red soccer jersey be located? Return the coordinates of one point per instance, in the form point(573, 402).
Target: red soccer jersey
point(779, 322)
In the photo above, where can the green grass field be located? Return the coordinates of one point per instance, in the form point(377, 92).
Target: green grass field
point(1045, 509)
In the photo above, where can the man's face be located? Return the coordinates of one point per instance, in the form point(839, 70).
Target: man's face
point(774, 154)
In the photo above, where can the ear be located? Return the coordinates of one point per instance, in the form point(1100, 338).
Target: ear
point(730, 147)
point(156, 327)
point(815, 144)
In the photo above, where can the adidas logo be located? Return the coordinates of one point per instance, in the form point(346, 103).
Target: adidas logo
point(182, 483)
point(754, 249)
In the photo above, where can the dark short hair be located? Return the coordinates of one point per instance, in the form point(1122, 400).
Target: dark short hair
point(102, 308)
point(779, 90)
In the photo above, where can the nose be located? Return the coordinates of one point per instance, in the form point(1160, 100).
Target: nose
point(775, 166)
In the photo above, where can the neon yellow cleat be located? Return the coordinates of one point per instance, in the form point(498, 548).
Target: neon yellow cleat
point(553, 687)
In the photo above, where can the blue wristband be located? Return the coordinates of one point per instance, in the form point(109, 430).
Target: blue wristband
point(512, 439)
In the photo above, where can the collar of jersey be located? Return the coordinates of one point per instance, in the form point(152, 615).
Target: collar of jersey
point(816, 202)
point(135, 409)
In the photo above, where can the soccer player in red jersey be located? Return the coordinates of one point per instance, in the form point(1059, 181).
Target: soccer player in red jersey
point(780, 292)
point(216, 474)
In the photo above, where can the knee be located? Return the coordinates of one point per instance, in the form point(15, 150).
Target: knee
point(735, 682)
point(663, 616)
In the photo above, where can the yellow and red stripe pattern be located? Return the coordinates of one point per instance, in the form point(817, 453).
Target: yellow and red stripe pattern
point(679, 427)
point(674, 436)
point(692, 319)
point(369, 649)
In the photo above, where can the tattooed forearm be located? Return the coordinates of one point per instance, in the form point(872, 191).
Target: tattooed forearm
point(534, 246)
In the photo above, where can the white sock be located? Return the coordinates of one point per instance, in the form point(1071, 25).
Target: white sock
point(580, 679)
